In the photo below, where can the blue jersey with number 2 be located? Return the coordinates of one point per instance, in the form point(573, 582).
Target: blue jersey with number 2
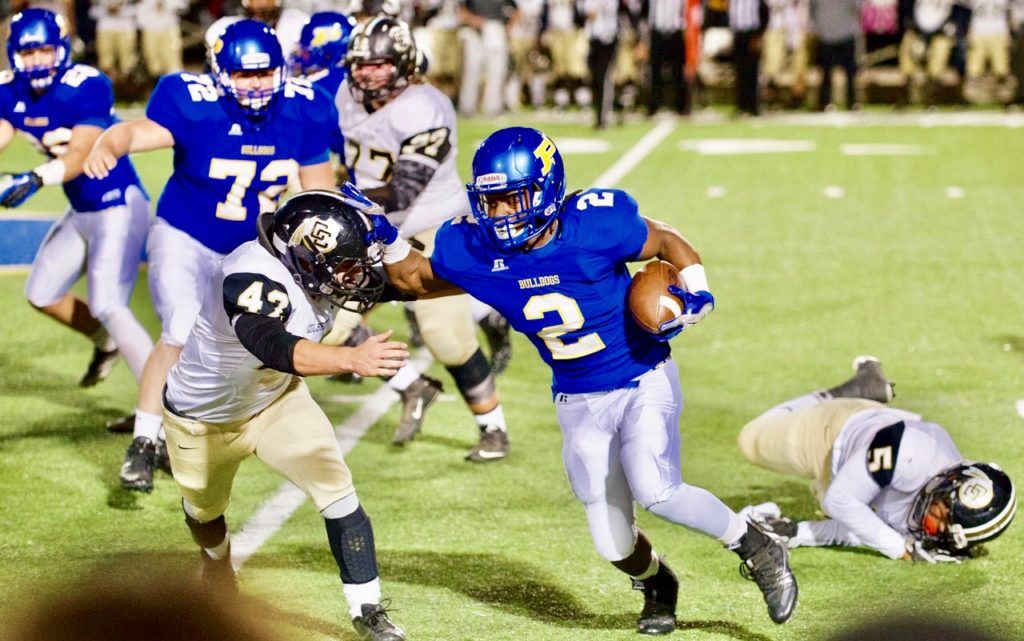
point(569, 296)
point(227, 171)
point(80, 95)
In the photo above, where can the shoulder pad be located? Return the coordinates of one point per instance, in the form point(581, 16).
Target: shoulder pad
point(249, 293)
point(883, 452)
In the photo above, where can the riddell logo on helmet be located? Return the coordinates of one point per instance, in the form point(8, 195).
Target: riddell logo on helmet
point(491, 180)
point(317, 234)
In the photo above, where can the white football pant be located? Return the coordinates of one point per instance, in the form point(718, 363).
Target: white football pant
point(180, 268)
point(484, 53)
point(623, 446)
point(107, 246)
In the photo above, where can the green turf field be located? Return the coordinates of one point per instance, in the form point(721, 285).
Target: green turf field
point(804, 282)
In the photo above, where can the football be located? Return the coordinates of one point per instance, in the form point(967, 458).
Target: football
point(649, 301)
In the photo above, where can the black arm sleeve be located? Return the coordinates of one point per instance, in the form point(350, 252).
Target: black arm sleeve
point(268, 340)
point(410, 178)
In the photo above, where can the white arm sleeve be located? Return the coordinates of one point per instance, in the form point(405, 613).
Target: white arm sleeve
point(848, 501)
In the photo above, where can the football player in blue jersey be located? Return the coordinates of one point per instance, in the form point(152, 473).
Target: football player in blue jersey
point(240, 138)
point(555, 267)
point(63, 108)
point(320, 58)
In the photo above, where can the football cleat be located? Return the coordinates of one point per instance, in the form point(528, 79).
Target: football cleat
point(161, 458)
point(496, 329)
point(123, 425)
point(99, 367)
point(416, 398)
point(217, 575)
point(868, 382)
point(138, 466)
point(780, 527)
point(766, 562)
point(374, 624)
point(493, 446)
point(660, 593)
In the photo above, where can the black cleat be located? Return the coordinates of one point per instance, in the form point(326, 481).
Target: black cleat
point(99, 367)
point(217, 575)
point(416, 398)
point(374, 625)
point(138, 466)
point(496, 329)
point(493, 446)
point(868, 382)
point(123, 425)
point(766, 562)
point(660, 594)
point(161, 458)
point(780, 527)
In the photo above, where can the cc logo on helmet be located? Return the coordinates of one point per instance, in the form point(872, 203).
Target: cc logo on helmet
point(976, 492)
point(317, 234)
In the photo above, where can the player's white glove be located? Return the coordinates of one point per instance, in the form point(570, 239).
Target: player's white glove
point(918, 554)
point(760, 513)
point(16, 189)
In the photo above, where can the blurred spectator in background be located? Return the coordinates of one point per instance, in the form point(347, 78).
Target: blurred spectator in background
point(666, 21)
point(630, 55)
point(1017, 48)
point(748, 20)
point(439, 41)
point(602, 29)
point(784, 50)
point(485, 53)
point(161, 35)
point(287, 23)
point(988, 40)
point(115, 38)
point(559, 26)
point(928, 33)
point(121, 603)
point(837, 24)
point(528, 77)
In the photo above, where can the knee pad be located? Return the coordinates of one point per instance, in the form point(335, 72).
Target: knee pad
point(351, 539)
point(474, 378)
point(447, 328)
point(614, 534)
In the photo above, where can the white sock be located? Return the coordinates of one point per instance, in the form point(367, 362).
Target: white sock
point(130, 337)
point(101, 338)
point(737, 528)
point(404, 378)
point(220, 551)
point(494, 418)
point(359, 593)
point(479, 310)
point(147, 425)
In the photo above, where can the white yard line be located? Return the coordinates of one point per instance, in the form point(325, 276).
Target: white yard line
point(275, 511)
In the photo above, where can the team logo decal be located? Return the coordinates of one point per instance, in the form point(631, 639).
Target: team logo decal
point(976, 492)
point(545, 151)
point(317, 234)
point(491, 180)
point(218, 46)
point(325, 34)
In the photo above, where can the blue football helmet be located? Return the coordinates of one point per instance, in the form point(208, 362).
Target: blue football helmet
point(34, 29)
point(322, 44)
point(526, 162)
point(248, 45)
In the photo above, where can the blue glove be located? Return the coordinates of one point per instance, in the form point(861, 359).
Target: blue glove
point(16, 189)
point(355, 198)
point(696, 306)
point(383, 230)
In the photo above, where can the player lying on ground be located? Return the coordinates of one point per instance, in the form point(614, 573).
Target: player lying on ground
point(63, 108)
point(240, 136)
point(887, 479)
point(238, 390)
point(555, 267)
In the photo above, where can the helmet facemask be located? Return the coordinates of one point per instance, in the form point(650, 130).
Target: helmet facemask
point(353, 284)
point(256, 101)
point(40, 75)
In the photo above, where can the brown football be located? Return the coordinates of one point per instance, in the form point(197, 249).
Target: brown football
point(649, 300)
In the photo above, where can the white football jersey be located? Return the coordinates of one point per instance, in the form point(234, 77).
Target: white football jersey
point(418, 125)
point(217, 379)
point(880, 461)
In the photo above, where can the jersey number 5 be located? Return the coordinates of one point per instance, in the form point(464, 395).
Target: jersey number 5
point(243, 171)
point(572, 320)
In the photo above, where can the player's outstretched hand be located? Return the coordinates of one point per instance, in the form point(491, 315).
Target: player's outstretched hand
point(99, 163)
point(918, 554)
point(378, 356)
point(16, 189)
